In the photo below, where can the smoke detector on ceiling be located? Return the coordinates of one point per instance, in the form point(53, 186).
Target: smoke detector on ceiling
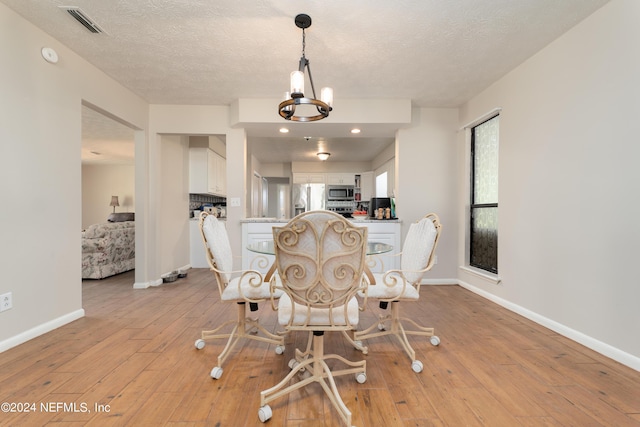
point(82, 18)
point(49, 55)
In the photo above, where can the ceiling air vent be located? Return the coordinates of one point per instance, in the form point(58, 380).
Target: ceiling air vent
point(82, 18)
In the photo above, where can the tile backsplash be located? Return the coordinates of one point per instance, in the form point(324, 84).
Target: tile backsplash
point(197, 200)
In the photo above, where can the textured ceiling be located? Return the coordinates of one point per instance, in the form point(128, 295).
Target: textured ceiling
point(438, 53)
point(105, 140)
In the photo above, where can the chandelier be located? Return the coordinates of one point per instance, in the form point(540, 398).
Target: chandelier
point(295, 97)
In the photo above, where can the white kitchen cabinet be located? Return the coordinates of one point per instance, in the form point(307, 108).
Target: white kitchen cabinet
point(389, 233)
point(197, 255)
point(385, 175)
point(207, 172)
point(257, 232)
point(221, 174)
point(378, 231)
point(308, 178)
point(366, 186)
point(341, 178)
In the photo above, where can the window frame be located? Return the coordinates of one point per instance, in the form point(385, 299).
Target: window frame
point(475, 206)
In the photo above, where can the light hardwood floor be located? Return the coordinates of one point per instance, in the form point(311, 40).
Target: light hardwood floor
point(133, 356)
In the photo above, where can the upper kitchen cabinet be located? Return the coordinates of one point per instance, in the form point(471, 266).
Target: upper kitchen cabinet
point(207, 172)
point(341, 178)
point(220, 167)
point(366, 186)
point(308, 178)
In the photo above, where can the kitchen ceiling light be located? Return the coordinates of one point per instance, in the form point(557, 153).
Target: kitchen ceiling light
point(323, 156)
point(355, 130)
point(284, 130)
point(295, 98)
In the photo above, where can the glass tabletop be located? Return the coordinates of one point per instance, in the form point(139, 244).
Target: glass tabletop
point(266, 247)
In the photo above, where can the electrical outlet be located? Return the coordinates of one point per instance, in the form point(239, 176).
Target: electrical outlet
point(235, 201)
point(6, 301)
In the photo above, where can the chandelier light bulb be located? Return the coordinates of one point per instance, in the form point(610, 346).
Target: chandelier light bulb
point(297, 83)
point(287, 96)
point(326, 96)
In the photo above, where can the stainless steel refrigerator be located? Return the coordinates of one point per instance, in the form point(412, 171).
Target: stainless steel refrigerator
point(278, 197)
point(308, 197)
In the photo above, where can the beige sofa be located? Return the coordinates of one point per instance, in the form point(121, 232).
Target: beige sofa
point(108, 248)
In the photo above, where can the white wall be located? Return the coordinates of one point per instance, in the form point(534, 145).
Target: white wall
point(385, 155)
point(569, 182)
point(173, 225)
point(194, 120)
point(276, 169)
point(427, 181)
point(40, 174)
point(330, 167)
point(99, 183)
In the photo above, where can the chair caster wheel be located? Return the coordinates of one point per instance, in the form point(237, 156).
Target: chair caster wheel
point(361, 347)
point(293, 363)
point(279, 349)
point(434, 340)
point(200, 344)
point(216, 373)
point(264, 413)
point(361, 377)
point(417, 367)
point(381, 327)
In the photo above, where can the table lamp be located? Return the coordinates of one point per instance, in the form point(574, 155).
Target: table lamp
point(114, 203)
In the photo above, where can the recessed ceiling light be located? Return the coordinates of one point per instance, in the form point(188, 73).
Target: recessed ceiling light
point(284, 130)
point(355, 130)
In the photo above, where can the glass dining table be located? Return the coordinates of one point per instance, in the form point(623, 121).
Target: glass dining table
point(265, 247)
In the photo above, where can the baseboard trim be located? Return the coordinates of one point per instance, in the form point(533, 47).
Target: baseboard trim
point(145, 285)
point(40, 330)
point(598, 346)
point(439, 282)
point(158, 282)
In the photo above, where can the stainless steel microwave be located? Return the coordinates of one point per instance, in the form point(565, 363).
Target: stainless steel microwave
point(340, 192)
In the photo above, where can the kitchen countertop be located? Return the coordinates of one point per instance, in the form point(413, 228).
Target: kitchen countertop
point(284, 221)
point(195, 218)
point(268, 220)
point(373, 220)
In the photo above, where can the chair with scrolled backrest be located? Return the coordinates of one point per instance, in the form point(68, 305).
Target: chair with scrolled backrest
point(394, 286)
point(320, 258)
point(241, 287)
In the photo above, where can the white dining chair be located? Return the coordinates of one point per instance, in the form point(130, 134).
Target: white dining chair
point(242, 287)
point(320, 257)
point(397, 285)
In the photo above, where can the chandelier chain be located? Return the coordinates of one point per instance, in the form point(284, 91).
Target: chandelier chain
point(303, 42)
